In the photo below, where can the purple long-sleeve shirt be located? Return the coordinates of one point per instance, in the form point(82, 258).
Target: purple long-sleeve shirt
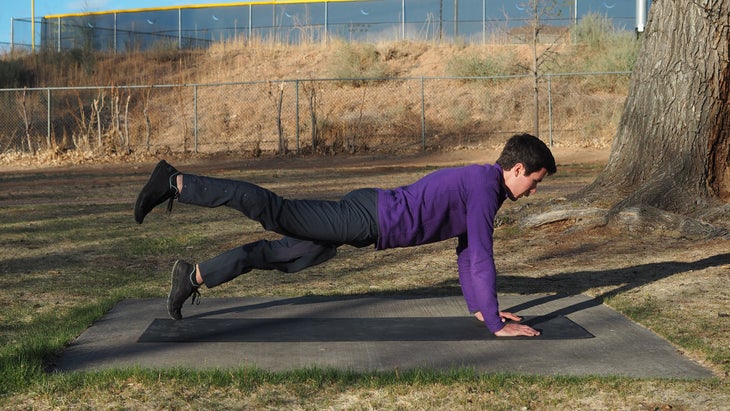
point(456, 202)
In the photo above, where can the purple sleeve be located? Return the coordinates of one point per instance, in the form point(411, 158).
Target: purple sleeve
point(467, 288)
point(477, 272)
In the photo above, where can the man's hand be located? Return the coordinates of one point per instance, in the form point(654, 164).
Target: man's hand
point(505, 316)
point(511, 329)
point(515, 330)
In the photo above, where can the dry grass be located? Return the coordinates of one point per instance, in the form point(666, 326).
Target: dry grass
point(70, 248)
point(504, 393)
point(351, 116)
point(70, 243)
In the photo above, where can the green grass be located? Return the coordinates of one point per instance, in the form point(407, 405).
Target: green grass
point(23, 359)
point(641, 310)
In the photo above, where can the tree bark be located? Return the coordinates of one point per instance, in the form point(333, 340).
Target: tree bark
point(672, 146)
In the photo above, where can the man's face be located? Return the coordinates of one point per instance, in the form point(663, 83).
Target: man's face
point(521, 184)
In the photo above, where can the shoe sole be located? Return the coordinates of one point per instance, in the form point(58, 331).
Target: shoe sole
point(139, 213)
point(170, 310)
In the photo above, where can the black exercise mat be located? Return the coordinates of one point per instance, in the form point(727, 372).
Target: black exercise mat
point(295, 329)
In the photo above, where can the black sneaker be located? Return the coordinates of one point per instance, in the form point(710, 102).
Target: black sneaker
point(159, 188)
point(181, 288)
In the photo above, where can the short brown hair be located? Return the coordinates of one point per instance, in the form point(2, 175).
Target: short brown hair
point(528, 150)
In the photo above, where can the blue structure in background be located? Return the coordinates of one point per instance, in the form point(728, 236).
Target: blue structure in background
point(298, 21)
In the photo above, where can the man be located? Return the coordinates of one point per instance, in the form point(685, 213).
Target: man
point(449, 203)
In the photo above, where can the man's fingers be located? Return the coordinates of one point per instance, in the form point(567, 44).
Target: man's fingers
point(515, 330)
point(509, 316)
point(528, 331)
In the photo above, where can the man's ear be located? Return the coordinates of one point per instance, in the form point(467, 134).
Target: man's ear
point(517, 169)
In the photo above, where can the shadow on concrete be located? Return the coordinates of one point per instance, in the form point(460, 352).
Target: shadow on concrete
point(578, 282)
point(557, 286)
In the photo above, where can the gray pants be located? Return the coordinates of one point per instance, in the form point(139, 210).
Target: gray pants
point(312, 229)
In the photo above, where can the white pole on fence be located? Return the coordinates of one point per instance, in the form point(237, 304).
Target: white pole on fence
point(640, 15)
point(456, 19)
point(115, 33)
point(32, 24)
point(179, 28)
point(403, 22)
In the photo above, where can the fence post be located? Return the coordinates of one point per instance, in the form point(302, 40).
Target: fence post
point(550, 109)
point(195, 117)
point(58, 33)
point(48, 118)
point(296, 108)
point(179, 28)
point(250, 28)
point(423, 117)
point(484, 21)
point(403, 19)
point(326, 21)
point(115, 32)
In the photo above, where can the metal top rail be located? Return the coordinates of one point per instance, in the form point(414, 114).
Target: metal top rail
point(197, 6)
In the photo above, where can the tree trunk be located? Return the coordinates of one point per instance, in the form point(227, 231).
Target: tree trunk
point(672, 149)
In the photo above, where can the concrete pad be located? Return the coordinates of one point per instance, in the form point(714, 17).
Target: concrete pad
point(580, 337)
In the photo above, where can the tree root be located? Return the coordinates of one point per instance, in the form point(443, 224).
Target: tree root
point(588, 217)
point(634, 219)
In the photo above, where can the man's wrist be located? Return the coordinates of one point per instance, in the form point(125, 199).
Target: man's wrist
point(494, 327)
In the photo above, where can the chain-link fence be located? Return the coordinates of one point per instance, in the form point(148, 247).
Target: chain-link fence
point(307, 115)
point(314, 21)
